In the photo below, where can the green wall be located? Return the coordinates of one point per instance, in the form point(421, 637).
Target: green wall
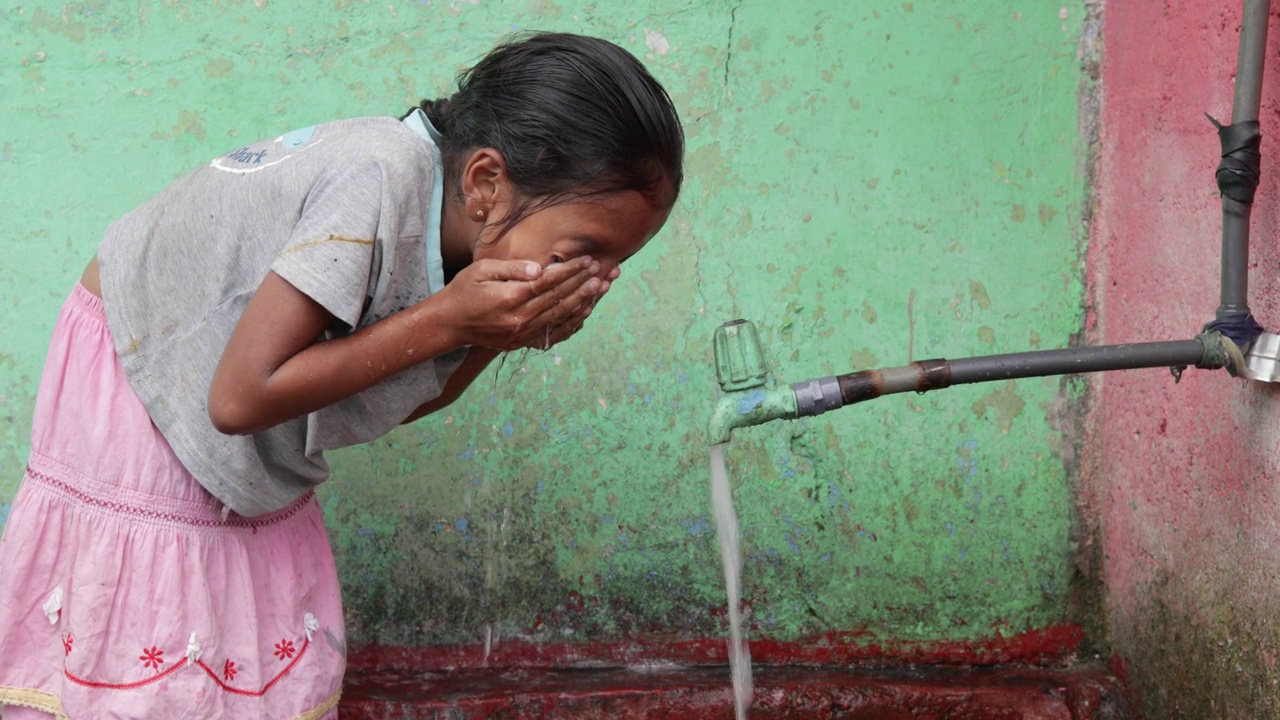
point(871, 182)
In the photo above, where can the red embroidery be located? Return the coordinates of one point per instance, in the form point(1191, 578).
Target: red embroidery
point(229, 670)
point(152, 658)
point(228, 667)
point(66, 644)
point(271, 683)
point(284, 649)
point(124, 686)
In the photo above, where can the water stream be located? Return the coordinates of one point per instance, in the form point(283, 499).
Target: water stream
point(731, 557)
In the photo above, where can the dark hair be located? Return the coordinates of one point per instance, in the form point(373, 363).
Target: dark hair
point(572, 116)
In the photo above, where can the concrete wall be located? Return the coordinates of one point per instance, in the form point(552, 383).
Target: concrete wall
point(1185, 474)
point(871, 182)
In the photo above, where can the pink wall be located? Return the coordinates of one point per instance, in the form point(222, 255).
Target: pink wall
point(1183, 479)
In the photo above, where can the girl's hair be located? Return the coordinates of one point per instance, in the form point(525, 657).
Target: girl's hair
point(573, 116)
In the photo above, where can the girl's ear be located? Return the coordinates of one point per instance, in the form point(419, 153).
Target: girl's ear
point(486, 186)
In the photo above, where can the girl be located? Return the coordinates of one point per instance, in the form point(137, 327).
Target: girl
point(165, 556)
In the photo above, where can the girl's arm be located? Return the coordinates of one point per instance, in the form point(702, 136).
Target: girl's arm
point(275, 368)
point(476, 361)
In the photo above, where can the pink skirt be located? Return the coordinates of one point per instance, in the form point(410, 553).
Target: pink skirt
point(125, 592)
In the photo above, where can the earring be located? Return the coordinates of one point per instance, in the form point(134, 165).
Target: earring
point(480, 214)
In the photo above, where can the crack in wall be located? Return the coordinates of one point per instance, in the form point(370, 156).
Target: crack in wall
point(728, 56)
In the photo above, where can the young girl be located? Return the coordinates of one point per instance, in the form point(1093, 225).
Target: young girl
point(165, 556)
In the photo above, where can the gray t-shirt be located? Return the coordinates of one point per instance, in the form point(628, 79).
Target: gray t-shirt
point(345, 212)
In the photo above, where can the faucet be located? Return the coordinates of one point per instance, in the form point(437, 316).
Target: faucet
point(744, 378)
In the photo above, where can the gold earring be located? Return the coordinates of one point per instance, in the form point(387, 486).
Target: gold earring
point(480, 214)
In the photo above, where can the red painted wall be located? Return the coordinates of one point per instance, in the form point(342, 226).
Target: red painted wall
point(1182, 478)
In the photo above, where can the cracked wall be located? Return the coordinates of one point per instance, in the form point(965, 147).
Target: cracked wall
point(870, 182)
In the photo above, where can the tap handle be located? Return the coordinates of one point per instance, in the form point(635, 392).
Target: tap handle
point(739, 358)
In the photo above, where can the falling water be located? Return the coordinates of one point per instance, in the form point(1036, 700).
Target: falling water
point(727, 532)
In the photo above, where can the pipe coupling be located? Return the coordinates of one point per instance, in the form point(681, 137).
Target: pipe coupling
point(814, 397)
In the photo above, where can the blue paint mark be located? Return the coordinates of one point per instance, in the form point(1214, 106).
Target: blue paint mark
point(461, 525)
point(437, 527)
point(682, 378)
point(951, 529)
point(648, 398)
point(508, 429)
point(751, 401)
point(469, 454)
point(787, 470)
point(542, 485)
point(295, 139)
point(366, 532)
point(696, 526)
point(766, 556)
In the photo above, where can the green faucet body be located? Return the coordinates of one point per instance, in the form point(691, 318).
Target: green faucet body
point(744, 376)
point(749, 407)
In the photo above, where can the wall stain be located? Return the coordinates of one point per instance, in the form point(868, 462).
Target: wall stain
point(1006, 403)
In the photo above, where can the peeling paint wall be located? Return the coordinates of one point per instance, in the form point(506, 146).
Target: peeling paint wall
point(871, 182)
point(1184, 475)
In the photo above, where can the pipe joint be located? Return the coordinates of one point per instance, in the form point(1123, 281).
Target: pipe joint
point(814, 397)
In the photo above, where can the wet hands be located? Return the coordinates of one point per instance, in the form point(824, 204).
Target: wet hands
point(512, 304)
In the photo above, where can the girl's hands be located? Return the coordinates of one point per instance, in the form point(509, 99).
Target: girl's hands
point(510, 304)
point(557, 334)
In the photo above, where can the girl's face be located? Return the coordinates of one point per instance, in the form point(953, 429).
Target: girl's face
point(609, 228)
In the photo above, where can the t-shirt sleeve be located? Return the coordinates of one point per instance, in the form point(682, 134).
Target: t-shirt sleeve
point(330, 254)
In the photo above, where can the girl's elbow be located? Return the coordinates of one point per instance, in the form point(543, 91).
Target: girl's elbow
point(230, 417)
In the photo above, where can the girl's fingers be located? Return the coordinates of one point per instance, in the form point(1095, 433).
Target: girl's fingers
point(579, 303)
point(555, 305)
point(553, 277)
point(507, 270)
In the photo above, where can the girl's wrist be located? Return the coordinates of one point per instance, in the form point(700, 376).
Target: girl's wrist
point(440, 314)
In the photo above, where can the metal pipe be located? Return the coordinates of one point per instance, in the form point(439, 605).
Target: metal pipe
point(1244, 109)
point(1175, 353)
point(1234, 297)
point(1253, 48)
point(813, 397)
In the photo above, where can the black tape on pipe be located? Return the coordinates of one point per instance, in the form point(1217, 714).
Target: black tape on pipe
point(1241, 161)
point(1240, 327)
